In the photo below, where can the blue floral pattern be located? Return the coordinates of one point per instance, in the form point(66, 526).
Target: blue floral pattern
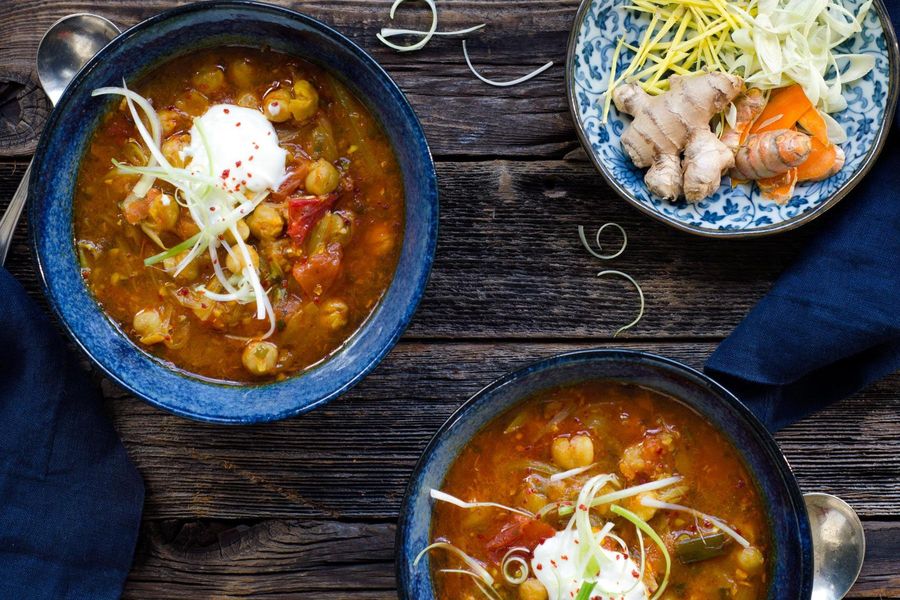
point(739, 209)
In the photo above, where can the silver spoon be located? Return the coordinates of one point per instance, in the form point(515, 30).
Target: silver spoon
point(839, 545)
point(64, 49)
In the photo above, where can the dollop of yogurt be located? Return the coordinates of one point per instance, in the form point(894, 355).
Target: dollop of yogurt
point(244, 148)
point(559, 563)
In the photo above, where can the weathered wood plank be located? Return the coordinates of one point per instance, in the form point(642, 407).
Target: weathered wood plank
point(510, 264)
point(314, 559)
point(352, 458)
point(527, 121)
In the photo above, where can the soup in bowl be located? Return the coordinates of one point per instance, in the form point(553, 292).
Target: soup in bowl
point(234, 211)
point(603, 476)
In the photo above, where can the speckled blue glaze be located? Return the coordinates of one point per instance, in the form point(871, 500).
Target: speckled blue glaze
point(790, 570)
point(739, 211)
point(181, 31)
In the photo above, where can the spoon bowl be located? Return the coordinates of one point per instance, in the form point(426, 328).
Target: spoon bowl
point(839, 545)
point(67, 46)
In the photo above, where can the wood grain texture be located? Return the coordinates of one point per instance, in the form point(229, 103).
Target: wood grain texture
point(305, 508)
point(509, 262)
point(296, 560)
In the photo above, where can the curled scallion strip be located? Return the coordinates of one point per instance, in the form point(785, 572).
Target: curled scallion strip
point(596, 254)
point(522, 79)
point(445, 497)
point(640, 293)
point(515, 556)
point(387, 32)
point(425, 39)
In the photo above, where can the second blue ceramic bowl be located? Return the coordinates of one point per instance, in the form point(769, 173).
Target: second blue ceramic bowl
point(67, 135)
point(791, 573)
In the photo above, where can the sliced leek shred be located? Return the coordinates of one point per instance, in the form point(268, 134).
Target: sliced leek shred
point(515, 556)
point(643, 526)
point(195, 191)
point(571, 472)
point(522, 79)
point(640, 294)
point(482, 577)
point(596, 254)
point(445, 497)
point(388, 32)
point(654, 503)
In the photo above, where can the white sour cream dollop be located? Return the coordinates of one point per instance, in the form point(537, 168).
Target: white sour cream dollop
point(244, 148)
point(558, 564)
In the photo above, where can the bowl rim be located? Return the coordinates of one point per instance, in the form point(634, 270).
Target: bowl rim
point(374, 358)
point(768, 444)
point(786, 225)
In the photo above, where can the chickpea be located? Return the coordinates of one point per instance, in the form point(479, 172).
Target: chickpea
point(190, 272)
point(241, 73)
point(265, 222)
point(276, 105)
point(532, 589)
point(171, 121)
point(243, 230)
point(248, 100)
point(334, 314)
point(322, 178)
point(305, 102)
point(209, 79)
point(236, 261)
point(172, 148)
point(260, 358)
point(569, 453)
point(148, 325)
point(751, 560)
point(163, 211)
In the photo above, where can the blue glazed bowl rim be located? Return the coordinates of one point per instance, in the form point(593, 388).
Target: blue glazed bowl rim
point(372, 359)
point(768, 446)
point(786, 225)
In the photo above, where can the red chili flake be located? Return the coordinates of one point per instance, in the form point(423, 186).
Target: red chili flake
point(256, 146)
point(249, 175)
point(203, 305)
point(267, 133)
point(183, 292)
point(564, 557)
point(226, 111)
point(212, 209)
point(576, 541)
point(226, 173)
point(539, 567)
point(238, 124)
point(635, 574)
point(274, 104)
point(582, 507)
point(251, 156)
point(553, 562)
point(237, 163)
point(618, 557)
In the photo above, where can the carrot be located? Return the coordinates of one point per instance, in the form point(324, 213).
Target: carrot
point(820, 163)
point(783, 110)
point(779, 188)
point(813, 122)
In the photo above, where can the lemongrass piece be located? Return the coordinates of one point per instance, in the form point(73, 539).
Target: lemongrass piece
point(421, 43)
point(645, 527)
point(512, 557)
point(468, 560)
point(587, 246)
point(522, 79)
point(640, 293)
point(445, 497)
point(654, 503)
point(571, 472)
point(388, 32)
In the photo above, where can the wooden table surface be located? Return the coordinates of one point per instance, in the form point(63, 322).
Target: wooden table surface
point(306, 508)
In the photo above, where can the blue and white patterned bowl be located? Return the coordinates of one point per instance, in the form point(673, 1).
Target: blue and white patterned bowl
point(68, 133)
point(738, 212)
point(790, 576)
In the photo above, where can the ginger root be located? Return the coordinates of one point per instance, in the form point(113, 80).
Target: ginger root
point(772, 153)
point(674, 122)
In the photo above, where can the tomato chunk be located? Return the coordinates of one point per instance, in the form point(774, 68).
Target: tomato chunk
point(520, 531)
point(304, 212)
point(317, 273)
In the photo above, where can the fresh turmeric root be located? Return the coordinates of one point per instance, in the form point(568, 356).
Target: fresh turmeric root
point(783, 110)
point(769, 154)
point(749, 106)
point(779, 188)
point(674, 122)
point(823, 162)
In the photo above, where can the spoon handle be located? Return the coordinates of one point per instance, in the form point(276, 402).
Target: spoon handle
point(11, 217)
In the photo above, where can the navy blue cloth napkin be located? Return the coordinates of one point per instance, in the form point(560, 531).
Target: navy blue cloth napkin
point(70, 500)
point(831, 323)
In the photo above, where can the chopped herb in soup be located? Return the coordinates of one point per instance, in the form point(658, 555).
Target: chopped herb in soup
point(598, 491)
point(239, 213)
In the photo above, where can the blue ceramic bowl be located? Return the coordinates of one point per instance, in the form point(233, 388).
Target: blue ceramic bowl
point(728, 212)
point(790, 573)
point(131, 55)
